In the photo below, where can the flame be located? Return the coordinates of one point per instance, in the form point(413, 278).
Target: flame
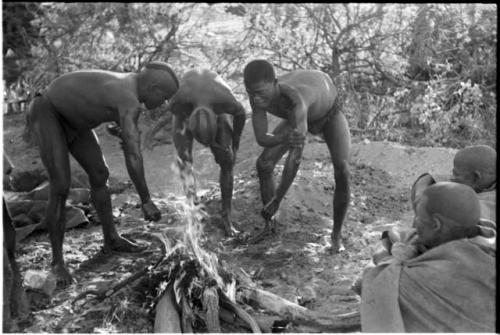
point(193, 215)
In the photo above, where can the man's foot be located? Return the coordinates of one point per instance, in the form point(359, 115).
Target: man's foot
point(121, 244)
point(337, 246)
point(269, 230)
point(229, 228)
point(62, 274)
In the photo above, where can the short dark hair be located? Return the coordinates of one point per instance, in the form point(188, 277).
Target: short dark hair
point(157, 65)
point(258, 70)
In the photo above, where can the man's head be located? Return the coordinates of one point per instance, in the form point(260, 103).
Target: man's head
point(475, 166)
point(203, 125)
point(157, 82)
point(260, 82)
point(446, 211)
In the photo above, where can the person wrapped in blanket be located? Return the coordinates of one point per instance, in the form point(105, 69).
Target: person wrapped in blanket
point(439, 275)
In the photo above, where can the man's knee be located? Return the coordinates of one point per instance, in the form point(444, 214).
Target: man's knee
point(264, 166)
point(99, 178)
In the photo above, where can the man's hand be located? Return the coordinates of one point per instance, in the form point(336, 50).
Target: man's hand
point(403, 252)
point(270, 209)
point(295, 139)
point(151, 212)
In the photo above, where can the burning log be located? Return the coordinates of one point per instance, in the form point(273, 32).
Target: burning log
point(211, 303)
point(167, 319)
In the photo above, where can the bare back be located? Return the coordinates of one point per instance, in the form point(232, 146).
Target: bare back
point(85, 99)
point(202, 88)
point(314, 88)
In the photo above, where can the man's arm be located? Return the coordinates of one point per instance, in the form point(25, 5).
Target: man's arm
point(134, 162)
point(239, 118)
point(183, 141)
point(164, 120)
point(260, 127)
point(297, 118)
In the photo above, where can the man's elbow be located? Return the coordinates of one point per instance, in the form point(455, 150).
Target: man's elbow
point(262, 142)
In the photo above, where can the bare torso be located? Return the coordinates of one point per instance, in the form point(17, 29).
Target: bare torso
point(85, 99)
point(315, 88)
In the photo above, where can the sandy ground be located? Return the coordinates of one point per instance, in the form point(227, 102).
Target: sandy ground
point(294, 263)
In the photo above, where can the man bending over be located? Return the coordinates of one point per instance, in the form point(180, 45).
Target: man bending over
point(62, 118)
point(306, 100)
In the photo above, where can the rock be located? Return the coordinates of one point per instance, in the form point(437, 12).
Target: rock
point(41, 281)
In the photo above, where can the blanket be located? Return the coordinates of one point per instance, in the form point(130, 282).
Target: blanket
point(28, 210)
point(449, 288)
point(488, 203)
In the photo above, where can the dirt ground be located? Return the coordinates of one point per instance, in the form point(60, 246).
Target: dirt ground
point(295, 264)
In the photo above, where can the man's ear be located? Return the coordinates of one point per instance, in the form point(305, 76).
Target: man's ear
point(420, 185)
point(437, 222)
point(476, 177)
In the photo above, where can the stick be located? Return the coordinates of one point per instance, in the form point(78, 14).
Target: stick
point(167, 318)
point(301, 315)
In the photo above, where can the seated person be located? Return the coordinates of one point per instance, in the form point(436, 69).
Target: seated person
point(476, 166)
point(443, 282)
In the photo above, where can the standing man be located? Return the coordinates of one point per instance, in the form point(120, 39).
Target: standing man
point(62, 118)
point(306, 100)
point(202, 108)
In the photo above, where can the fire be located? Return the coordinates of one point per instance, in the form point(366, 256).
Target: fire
point(193, 214)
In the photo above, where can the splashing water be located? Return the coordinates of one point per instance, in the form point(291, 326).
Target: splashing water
point(194, 214)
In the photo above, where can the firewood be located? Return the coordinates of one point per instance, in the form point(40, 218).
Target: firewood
point(187, 315)
point(299, 314)
point(211, 305)
point(225, 302)
point(167, 319)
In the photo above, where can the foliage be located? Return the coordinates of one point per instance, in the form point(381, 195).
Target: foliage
point(402, 69)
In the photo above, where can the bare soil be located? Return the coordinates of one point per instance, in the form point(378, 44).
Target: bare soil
point(294, 264)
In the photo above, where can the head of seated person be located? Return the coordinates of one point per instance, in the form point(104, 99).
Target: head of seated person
point(446, 211)
point(475, 166)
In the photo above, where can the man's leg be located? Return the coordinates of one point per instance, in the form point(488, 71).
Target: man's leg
point(87, 152)
point(266, 163)
point(224, 156)
point(53, 150)
point(265, 167)
point(338, 139)
point(15, 303)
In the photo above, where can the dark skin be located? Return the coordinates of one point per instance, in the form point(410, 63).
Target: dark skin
point(299, 98)
point(15, 303)
point(205, 89)
point(62, 120)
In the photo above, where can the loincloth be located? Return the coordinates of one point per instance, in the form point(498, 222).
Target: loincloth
point(316, 127)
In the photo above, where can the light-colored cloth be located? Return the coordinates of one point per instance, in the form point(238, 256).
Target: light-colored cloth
point(449, 288)
point(488, 203)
